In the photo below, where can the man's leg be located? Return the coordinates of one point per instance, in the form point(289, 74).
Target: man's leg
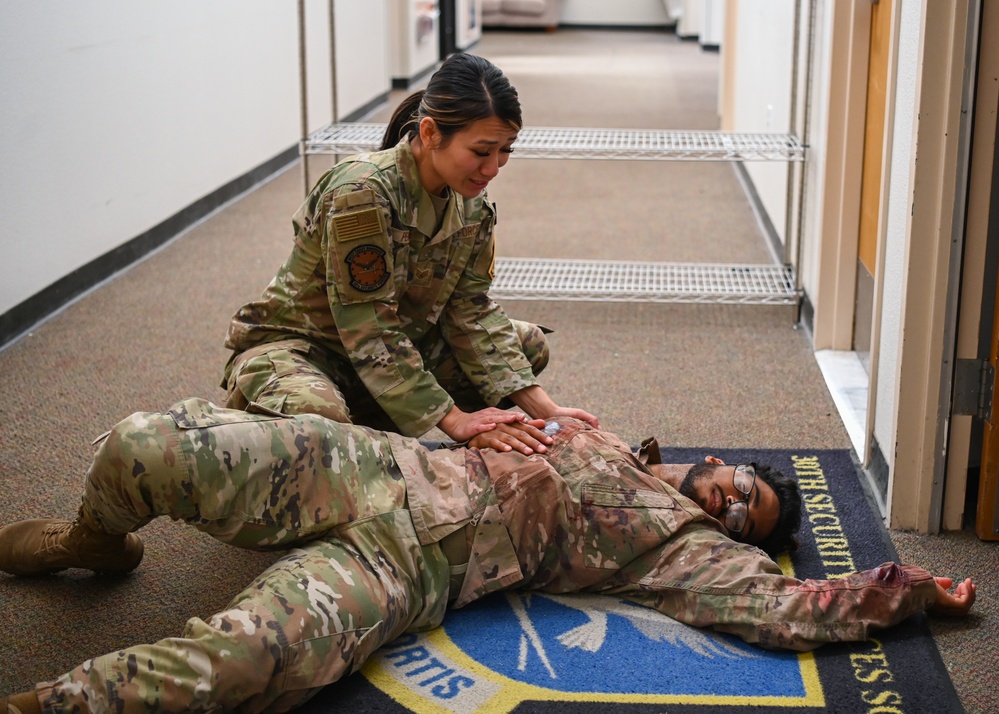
point(254, 481)
point(311, 618)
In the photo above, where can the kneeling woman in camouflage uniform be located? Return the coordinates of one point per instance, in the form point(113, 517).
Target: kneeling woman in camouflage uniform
point(381, 314)
point(386, 535)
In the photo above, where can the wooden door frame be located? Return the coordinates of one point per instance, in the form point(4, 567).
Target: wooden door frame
point(933, 226)
point(976, 286)
point(973, 297)
point(914, 446)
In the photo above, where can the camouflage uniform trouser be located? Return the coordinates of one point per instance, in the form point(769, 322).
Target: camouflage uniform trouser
point(356, 578)
point(295, 376)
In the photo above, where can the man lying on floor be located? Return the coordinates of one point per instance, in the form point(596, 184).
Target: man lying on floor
point(386, 535)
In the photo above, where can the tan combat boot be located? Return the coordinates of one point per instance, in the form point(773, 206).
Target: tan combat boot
point(25, 703)
point(46, 545)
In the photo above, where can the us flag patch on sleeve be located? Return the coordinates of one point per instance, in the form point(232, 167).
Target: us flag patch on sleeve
point(358, 224)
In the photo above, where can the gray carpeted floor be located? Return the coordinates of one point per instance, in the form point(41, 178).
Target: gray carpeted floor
point(695, 375)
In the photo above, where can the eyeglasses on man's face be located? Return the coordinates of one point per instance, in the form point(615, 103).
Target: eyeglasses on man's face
point(736, 514)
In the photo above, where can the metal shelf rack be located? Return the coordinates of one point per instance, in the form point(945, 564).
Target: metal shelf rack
point(618, 281)
point(598, 143)
point(610, 280)
point(621, 281)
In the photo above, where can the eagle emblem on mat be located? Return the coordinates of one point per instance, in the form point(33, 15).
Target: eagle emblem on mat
point(592, 634)
point(515, 647)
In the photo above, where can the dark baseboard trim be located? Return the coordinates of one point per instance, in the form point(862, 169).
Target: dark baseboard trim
point(770, 235)
point(876, 503)
point(806, 313)
point(877, 472)
point(26, 315)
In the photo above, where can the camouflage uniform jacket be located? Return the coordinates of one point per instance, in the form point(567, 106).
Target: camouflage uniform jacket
point(371, 275)
point(588, 516)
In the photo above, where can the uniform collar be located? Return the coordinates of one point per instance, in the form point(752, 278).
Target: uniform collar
point(649, 453)
point(416, 210)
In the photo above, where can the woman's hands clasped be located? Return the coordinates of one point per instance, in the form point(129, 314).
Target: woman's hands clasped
point(505, 430)
point(498, 429)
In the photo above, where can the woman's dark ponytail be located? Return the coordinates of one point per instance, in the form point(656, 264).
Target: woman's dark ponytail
point(403, 122)
point(464, 89)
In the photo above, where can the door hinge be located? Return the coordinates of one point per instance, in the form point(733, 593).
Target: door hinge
point(974, 380)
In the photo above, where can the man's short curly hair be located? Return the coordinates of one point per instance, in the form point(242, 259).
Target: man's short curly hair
point(784, 536)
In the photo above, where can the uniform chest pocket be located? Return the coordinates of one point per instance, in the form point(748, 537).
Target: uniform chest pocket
point(620, 524)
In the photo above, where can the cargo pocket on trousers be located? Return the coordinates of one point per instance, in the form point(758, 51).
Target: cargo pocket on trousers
point(323, 660)
point(260, 376)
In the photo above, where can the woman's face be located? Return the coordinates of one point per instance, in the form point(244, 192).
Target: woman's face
point(470, 160)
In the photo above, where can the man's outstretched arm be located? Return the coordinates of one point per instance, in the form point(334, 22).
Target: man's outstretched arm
point(708, 581)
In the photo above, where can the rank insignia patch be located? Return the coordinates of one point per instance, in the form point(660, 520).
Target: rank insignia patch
point(367, 268)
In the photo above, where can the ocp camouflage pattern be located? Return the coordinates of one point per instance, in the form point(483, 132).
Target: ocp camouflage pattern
point(382, 316)
point(363, 514)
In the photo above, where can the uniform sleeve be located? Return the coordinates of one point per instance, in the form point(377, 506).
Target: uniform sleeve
point(362, 295)
point(479, 332)
point(736, 588)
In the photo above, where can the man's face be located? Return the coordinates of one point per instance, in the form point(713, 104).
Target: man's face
point(717, 489)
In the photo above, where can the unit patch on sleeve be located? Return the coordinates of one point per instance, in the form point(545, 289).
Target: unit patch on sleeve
point(367, 268)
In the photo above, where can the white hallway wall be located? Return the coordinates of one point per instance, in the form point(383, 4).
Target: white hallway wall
point(117, 115)
point(619, 12)
point(762, 85)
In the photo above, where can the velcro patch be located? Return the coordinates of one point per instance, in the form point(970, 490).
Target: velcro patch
point(343, 201)
point(358, 224)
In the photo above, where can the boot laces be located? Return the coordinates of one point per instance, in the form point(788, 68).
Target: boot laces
point(54, 535)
